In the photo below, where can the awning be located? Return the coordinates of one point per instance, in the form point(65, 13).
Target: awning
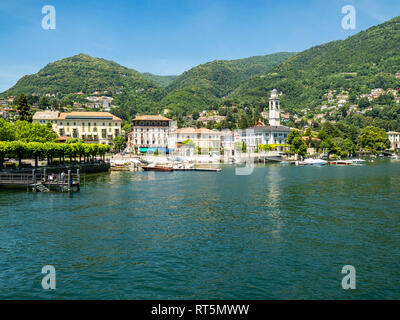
point(145, 150)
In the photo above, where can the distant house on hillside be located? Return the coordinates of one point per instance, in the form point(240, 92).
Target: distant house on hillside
point(216, 119)
point(265, 115)
point(5, 114)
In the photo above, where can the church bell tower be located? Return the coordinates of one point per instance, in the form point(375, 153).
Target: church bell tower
point(274, 109)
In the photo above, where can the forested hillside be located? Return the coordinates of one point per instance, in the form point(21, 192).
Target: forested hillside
point(205, 84)
point(362, 62)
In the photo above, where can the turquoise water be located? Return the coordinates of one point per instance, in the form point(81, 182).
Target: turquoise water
point(284, 232)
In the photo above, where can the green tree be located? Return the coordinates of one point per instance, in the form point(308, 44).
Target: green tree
point(34, 132)
point(127, 129)
point(7, 130)
point(119, 144)
point(296, 142)
point(24, 110)
point(373, 139)
point(5, 150)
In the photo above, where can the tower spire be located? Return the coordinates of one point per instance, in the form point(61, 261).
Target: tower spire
point(274, 109)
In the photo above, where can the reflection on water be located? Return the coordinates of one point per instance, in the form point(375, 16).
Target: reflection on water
point(282, 232)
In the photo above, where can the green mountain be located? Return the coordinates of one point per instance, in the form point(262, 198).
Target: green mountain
point(132, 91)
point(203, 85)
point(136, 92)
point(358, 64)
point(162, 81)
point(81, 73)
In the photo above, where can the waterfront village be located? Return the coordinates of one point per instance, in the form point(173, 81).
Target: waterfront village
point(156, 143)
point(156, 133)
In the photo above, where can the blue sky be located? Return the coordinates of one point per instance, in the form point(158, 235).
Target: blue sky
point(171, 36)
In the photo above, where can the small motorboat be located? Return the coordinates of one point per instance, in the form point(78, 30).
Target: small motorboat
point(357, 161)
point(157, 168)
point(394, 157)
point(341, 163)
point(314, 162)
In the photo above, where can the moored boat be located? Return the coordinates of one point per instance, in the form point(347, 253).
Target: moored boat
point(157, 168)
point(314, 162)
point(341, 162)
point(357, 161)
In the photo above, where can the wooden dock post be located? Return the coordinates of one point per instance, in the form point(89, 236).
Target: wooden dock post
point(78, 178)
point(44, 175)
point(33, 180)
point(69, 181)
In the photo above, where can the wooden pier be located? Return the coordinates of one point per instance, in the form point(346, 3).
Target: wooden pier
point(198, 169)
point(42, 181)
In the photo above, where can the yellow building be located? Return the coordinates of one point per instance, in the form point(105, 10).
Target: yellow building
point(91, 127)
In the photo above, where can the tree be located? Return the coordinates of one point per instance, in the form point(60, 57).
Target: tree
point(127, 128)
point(296, 142)
point(364, 103)
point(195, 115)
point(243, 124)
point(5, 148)
point(24, 110)
point(7, 130)
point(298, 146)
point(308, 134)
point(373, 139)
point(34, 132)
point(244, 147)
point(44, 102)
point(36, 150)
point(119, 144)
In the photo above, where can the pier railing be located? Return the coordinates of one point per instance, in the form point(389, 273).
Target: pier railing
point(64, 181)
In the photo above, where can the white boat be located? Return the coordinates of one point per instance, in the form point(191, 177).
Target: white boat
point(357, 161)
point(394, 157)
point(314, 162)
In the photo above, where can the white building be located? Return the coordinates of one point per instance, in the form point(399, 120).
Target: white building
point(274, 133)
point(150, 133)
point(91, 127)
point(394, 138)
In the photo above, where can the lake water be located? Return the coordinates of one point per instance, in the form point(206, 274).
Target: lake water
point(283, 232)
